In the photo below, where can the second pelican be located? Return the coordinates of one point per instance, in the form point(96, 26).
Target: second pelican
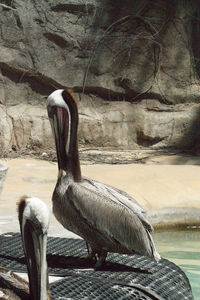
point(105, 217)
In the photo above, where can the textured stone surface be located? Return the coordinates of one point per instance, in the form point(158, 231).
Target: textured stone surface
point(103, 124)
point(141, 88)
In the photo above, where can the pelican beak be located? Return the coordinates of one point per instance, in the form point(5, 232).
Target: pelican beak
point(37, 265)
point(59, 120)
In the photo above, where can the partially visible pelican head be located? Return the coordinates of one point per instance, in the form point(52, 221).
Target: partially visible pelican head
point(63, 115)
point(34, 222)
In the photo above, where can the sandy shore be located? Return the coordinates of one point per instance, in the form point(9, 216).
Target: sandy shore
point(169, 193)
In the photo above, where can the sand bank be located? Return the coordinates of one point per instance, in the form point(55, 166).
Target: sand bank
point(169, 193)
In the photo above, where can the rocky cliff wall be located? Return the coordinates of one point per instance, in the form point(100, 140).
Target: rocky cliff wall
point(134, 68)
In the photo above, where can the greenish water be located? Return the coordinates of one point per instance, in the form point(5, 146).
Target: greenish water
point(183, 248)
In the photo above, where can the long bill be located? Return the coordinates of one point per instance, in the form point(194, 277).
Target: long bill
point(61, 129)
point(35, 250)
point(65, 135)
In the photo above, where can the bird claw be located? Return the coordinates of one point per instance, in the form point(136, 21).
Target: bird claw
point(99, 257)
point(101, 260)
point(99, 264)
point(91, 257)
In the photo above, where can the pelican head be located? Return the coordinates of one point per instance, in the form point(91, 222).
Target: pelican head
point(34, 222)
point(63, 115)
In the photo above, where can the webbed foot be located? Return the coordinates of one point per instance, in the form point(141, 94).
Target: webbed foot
point(94, 255)
point(91, 254)
point(101, 260)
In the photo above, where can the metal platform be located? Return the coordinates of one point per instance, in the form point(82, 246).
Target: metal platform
point(123, 277)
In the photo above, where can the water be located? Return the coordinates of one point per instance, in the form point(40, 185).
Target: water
point(182, 248)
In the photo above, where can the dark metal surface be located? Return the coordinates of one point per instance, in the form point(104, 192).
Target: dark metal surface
point(83, 287)
point(123, 277)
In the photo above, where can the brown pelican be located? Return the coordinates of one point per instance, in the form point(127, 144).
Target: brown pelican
point(34, 221)
point(105, 217)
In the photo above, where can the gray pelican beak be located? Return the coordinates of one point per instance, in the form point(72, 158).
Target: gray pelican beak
point(59, 120)
point(36, 244)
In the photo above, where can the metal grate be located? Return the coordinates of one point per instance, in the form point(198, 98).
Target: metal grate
point(83, 287)
point(124, 276)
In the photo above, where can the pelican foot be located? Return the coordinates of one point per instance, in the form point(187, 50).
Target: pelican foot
point(99, 265)
point(92, 255)
point(101, 260)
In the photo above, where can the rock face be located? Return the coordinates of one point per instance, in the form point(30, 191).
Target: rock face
point(134, 68)
point(142, 125)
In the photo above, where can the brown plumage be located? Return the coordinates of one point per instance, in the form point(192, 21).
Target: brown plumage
point(107, 218)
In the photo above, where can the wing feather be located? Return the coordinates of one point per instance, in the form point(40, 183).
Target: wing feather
point(118, 196)
point(111, 218)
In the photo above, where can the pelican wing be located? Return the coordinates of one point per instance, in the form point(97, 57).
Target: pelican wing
point(112, 219)
point(119, 197)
